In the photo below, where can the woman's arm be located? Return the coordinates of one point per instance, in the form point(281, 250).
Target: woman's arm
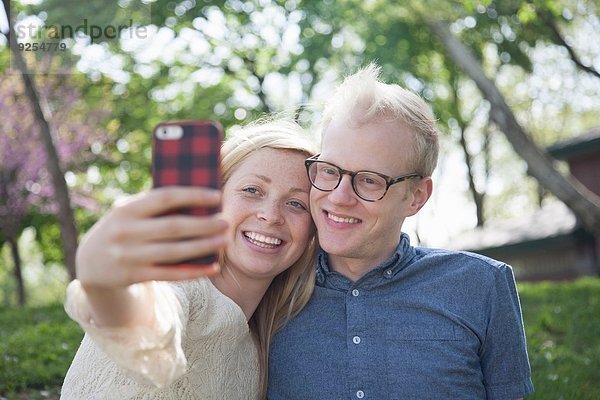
point(126, 247)
point(118, 299)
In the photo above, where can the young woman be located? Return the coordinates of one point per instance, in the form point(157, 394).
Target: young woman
point(205, 334)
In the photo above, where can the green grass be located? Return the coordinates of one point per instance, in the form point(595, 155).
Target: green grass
point(562, 322)
point(36, 348)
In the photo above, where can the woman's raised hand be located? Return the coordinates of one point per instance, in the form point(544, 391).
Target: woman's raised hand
point(130, 242)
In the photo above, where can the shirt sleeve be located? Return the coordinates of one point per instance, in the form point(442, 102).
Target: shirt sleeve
point(152, 355)
point(504, 359)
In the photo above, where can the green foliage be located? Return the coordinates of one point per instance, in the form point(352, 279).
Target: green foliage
point(37, 346)
point(562, 322)
point(45, 275)
point(47, 235)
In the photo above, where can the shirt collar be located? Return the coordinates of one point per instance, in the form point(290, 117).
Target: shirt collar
point(387, 269)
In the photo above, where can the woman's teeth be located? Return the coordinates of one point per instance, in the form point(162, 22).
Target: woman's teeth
point(262, 240)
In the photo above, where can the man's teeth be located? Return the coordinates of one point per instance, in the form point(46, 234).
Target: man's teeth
point(335, 218)
point(262, 240)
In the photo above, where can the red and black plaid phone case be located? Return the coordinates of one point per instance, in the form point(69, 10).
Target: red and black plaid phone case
point(190, 160)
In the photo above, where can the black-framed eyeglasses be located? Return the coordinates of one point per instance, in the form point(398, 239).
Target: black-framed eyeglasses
point(368, 185)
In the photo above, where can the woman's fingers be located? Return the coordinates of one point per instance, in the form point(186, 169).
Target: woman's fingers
point(161, 200)
point(143, 262)
point(169, 228)
point(129, 242)
point(157, 253)
point(122, 265)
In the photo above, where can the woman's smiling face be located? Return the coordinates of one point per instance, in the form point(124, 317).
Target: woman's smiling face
point(266, 203)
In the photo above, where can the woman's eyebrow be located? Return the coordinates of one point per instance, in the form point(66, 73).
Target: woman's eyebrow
point(299, 190)
point(263, 178)
point(269, 180)
point(292, 190)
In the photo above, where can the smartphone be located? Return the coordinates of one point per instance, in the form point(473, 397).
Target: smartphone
point(187, 153)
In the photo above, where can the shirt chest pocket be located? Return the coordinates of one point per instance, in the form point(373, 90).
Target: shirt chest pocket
point(419, 353)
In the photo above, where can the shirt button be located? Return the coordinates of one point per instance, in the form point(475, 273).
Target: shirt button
point(356, 340)
point(355, 292)
point(360, 394)
point(388, 272)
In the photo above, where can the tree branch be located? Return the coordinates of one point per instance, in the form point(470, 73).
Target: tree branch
point(551, 23)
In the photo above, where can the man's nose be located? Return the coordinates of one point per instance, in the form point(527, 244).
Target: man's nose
point(343, 194)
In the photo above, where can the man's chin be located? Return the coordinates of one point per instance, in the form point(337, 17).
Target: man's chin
point(335, 248)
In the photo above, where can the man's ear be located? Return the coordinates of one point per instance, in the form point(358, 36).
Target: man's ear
point(421, 192)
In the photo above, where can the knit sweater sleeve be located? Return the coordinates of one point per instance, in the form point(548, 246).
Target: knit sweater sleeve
point(151, 355)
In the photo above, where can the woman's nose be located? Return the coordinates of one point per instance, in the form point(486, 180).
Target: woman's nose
point(270, 213)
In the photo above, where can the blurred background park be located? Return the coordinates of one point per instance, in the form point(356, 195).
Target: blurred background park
point(515, 85)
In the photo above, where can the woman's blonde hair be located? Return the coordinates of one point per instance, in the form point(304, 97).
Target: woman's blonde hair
point(291, 289)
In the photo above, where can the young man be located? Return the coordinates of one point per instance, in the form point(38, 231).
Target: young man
point(388, 320)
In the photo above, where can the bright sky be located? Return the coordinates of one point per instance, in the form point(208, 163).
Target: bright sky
point(3, 20)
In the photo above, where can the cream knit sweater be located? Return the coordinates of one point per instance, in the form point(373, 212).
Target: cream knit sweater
point(200, 348)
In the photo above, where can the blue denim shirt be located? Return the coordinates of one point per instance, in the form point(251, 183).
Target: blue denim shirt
point(425, 324)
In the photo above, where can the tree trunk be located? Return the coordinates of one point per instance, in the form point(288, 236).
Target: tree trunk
point(9, 227)
point(12, 242)
point(42, 115)
point(477, 196)
point(582, 201)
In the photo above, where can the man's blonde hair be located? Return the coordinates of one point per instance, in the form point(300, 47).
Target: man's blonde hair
point(363, 98)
